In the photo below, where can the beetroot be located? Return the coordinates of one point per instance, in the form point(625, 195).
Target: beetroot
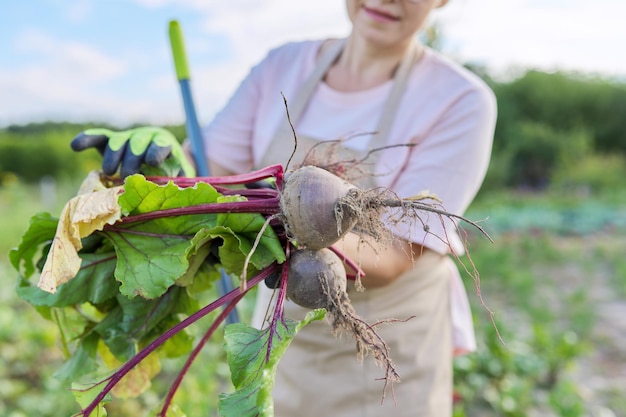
point(317, 279)
point(309, 204)
point(313, 276)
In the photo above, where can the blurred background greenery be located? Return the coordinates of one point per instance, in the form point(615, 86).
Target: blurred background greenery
point(554, 201)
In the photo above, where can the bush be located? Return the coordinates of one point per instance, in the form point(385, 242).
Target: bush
point(595, 173)
point(37, 150)
point(532, 155)
point(566, 102)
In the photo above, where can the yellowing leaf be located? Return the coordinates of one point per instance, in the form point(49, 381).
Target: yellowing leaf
point(93, 208)
point(135, 382)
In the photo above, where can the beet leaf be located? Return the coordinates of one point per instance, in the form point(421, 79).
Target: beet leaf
point(40, 230)
point(93, 283)
point(252, 373)
point(154, 254)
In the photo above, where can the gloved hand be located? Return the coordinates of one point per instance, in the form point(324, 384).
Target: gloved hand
point(131, 148)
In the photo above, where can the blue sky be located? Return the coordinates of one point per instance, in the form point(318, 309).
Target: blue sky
point(109, 60)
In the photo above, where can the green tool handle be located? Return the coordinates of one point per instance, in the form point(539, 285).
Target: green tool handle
point(178, 50)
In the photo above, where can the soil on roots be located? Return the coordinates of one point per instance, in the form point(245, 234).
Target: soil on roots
point(344, 320)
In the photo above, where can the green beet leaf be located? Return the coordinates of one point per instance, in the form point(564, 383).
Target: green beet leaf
point(86, 393)
point(249, 225)
point(71, 323)
point(148, 265)
point(93, 283)
point(129, 325)
point(153, 255)
point(179, 344)
point(81, 362)
point(41, 230)
point(143, 196)
point(252, 373)
point(139, 279)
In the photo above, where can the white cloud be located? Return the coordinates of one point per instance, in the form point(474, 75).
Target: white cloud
point(60, 82)
point(79, 10)
point(68, 60)
point(573, 35)
point(194, 4)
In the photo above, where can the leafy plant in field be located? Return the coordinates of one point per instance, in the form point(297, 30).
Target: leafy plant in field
point(523, 375)
point(545, 326)
point(138, 282)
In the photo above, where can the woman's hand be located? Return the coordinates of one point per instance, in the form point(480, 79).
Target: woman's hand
point(382, 264)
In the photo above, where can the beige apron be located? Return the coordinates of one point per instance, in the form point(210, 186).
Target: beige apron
point(320, 375)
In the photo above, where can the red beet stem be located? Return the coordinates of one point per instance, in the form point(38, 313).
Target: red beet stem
point(261, 174)
point(262, 206)
point(132, 362)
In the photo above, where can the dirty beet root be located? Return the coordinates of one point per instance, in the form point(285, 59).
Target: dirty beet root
point(317, 279)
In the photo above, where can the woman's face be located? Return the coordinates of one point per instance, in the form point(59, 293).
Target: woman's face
point(389, 22)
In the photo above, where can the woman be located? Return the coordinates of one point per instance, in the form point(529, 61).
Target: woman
point(380, 80)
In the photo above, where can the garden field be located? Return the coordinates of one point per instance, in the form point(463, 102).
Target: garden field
point(555, 279)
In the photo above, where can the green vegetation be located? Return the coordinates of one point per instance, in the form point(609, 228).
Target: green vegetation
point(557, 261)
point(554, 129)
point(38, 150)
point(29, 344)
point(545, 322)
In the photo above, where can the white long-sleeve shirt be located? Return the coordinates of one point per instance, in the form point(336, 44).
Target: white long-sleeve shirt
point(447, 112)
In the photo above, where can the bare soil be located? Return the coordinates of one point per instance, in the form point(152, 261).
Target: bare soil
point(601, 374)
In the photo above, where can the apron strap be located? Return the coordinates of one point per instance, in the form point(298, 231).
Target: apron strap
point(306, 91)
point(394, 99)
point(325, 61)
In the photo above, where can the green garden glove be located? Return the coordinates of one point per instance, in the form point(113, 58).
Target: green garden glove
point(132, 148)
